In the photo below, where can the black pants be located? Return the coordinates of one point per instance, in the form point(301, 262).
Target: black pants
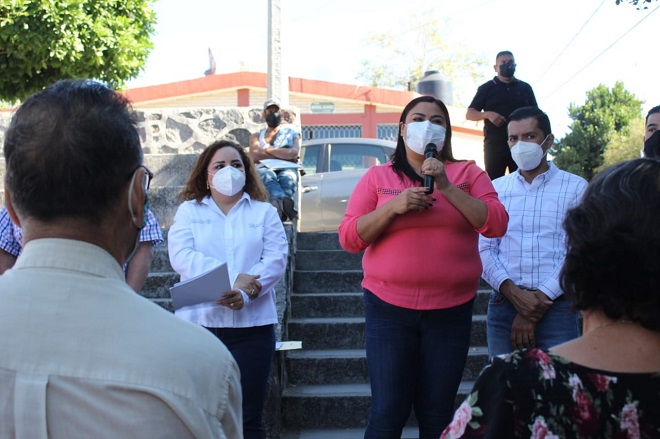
point(253, 349)
point(497, 157)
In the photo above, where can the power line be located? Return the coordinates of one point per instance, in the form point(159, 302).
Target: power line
point(600, 54)
point(570, 42)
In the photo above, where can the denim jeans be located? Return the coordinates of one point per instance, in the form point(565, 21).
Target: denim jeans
point(416, 360)
point(253, 349)
point(280, 183)
point(559, 324)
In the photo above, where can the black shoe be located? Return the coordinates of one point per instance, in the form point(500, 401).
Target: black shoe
point(289, 210)
point(277, 203)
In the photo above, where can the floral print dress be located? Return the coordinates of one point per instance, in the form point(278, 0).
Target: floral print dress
point(535, 394)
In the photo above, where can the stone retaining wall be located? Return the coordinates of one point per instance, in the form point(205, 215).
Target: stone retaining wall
point(186, 131)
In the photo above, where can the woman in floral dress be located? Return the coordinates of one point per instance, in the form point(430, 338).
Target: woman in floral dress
point(605, 384)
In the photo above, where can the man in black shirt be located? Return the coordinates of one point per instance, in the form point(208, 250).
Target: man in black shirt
point(494, 102)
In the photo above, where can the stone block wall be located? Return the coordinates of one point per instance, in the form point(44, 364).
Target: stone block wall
point(185, 131)
point(189, 131)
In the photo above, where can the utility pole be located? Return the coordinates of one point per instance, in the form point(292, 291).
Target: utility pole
point(278, 79)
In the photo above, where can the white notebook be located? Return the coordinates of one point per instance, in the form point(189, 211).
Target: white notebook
point(201, 289)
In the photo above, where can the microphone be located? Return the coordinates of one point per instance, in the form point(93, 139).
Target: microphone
point(429, 151)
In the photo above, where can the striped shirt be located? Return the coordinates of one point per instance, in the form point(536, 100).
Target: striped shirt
point(532, 252)
point(11, 236)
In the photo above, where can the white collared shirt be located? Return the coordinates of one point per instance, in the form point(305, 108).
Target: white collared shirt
point(83, 356)
point(532, 252)
point(250, 239)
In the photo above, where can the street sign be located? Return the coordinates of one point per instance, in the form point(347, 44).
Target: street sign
point(322, 107)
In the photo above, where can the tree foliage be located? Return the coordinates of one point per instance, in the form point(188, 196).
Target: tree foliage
point(625, 145)
point(47, 40)
point(398, 59)
point(640, 4)
point(604, 113)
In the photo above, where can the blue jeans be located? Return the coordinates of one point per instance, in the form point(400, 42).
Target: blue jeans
point(280, 183)
point(253, 349)
point(559, 324)
point(416, 360)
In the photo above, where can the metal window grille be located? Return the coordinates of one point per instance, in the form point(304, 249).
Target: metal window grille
point(328, 131)
point(387, 132)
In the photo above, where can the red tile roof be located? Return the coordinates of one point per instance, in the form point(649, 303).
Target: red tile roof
point(259, 80)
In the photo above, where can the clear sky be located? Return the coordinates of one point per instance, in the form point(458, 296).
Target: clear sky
point(563, 48)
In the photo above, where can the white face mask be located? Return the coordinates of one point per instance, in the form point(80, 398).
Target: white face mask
point(229, 181)
point(528, 155)
point(420, 134)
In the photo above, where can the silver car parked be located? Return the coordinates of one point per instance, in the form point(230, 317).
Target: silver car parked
point(332, 169)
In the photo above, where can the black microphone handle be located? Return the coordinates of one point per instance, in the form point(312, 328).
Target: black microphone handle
point(430, 151)
point(428, 183)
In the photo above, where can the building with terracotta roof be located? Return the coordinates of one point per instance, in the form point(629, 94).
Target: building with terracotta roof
point(326, 109)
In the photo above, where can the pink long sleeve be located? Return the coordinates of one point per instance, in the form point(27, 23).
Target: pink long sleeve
point(424, 259)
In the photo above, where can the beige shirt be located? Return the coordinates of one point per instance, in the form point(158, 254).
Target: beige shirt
point(82, 355)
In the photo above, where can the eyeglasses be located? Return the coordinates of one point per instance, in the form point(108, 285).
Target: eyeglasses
point(148, 176)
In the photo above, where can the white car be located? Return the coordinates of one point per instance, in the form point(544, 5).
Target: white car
point(332, 169)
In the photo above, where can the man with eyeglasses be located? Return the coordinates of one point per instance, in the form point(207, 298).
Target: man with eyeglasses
point(82, 354)
point(494, 101)
point(137, 269)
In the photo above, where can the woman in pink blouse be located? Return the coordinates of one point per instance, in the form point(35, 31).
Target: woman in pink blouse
point(421, 270)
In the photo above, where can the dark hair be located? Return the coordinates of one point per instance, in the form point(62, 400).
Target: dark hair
point(399, 158)
point(502, 53)
point(196, 187)
point(613, 254)
point(71, 149)
point(542, 119)
point(653, 110)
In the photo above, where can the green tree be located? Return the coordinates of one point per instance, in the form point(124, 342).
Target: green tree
point(625, 145)
point(47, 40)
point(604, 113)
point(398, 59)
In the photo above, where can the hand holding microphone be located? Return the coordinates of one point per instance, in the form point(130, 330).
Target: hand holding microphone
point(430, 151)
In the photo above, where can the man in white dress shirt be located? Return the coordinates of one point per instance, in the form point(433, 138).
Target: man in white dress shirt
point(527, 307)
point(83, 355)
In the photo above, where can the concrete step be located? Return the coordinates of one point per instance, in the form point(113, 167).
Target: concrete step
point(326, 406)
point(309, 305)
point(327, 393)
point(336, 366)
point(327, 260)
point(327, 281)
point(327, 305)
point(480, 306)
point(323, 280)
point(349, 366)
point(163, 202)
point(318, 241)
point(342, 406)
point(157, 285)
point(348, 332)
point(161, 260)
